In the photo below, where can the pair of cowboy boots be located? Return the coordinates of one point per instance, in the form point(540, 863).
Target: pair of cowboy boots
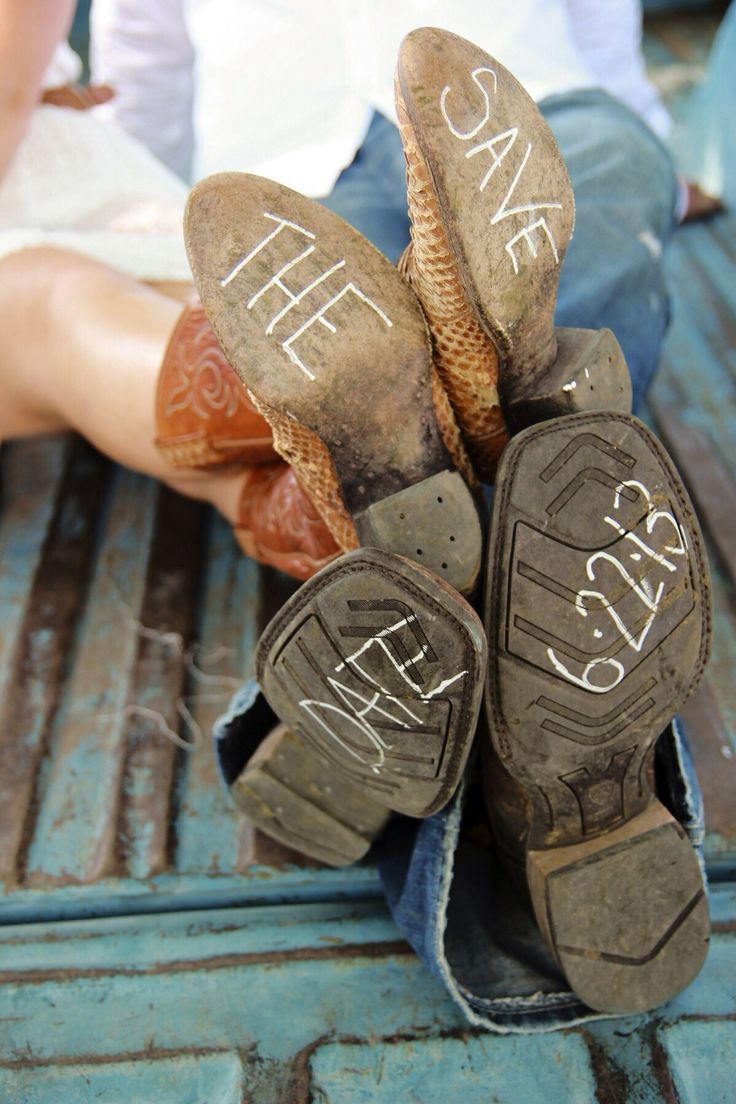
point(391, 400)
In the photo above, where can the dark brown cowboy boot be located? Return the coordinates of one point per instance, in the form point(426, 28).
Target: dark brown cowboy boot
point(598, 619)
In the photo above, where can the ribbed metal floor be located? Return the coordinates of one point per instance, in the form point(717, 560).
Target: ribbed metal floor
point(153, 946)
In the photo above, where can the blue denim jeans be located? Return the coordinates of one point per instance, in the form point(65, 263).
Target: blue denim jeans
point(456, 905)
point(450, 896)
point(625, 193)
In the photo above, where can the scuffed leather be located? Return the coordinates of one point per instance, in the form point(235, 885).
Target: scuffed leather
point(279, 526)
point(204, 416)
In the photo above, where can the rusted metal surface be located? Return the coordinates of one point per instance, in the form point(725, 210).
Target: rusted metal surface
point(146, 830)
point(660, 1068)
point(129, 617)
point(150, 938)
point(611, 1083)
point(322, 1003)
point(716, 767)
point(710, 483)
point(216, 962)
point(73, 837)
point(693, 404)
point(42, 643)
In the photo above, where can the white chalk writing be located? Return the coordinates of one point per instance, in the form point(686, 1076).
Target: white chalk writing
point(276, 282)
point(643, 588)
point(364, 713)
point(498, 147)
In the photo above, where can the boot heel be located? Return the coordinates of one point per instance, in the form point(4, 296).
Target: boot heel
point(589, 373)
point(288, 791)
point(625, 914)
point(443, 511)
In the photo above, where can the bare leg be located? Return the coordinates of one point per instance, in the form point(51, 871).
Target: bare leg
point(82, 347)
point(173, 289)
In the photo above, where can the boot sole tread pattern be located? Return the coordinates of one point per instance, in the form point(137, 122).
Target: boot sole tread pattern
point(378, 666)
point(600, 621)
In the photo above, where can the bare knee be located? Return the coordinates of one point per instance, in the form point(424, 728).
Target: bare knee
point(48, 284)
point(41, 290)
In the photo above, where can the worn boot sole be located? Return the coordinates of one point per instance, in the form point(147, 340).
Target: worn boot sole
point(492, 212)
point(377, 666)
point(334, 348)
point(598, 620)
point(290, 791)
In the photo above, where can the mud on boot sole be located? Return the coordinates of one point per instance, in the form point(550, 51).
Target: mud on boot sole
point(378, 666)
point(501, 186)
point(598, 620)
point(333, 346)
point(289, 791)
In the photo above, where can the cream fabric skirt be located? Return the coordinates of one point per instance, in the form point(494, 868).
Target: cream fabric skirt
point(80, 182)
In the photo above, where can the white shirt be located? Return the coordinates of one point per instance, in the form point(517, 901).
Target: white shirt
point(286, 88)
point(65, 67)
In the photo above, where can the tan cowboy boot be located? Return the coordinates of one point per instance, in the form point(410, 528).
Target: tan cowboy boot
point(596, 598)
point(492, 213)
point(205, 419)
point(334, 351)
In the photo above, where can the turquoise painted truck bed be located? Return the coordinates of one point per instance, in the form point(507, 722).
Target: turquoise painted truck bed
point(152, 946)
